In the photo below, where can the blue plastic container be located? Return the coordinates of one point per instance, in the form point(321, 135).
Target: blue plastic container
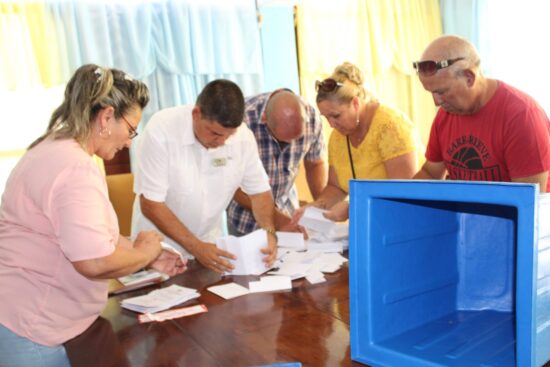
point(447, 273)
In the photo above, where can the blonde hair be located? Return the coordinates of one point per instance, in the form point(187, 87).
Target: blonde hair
point(91, 89)
point(352, 80)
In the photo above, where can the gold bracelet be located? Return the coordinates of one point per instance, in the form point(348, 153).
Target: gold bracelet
point(272, 232)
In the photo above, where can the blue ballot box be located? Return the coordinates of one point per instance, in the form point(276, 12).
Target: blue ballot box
point(447, 273)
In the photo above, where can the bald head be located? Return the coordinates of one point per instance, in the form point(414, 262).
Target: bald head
point(457, 86)
point(285, 116)
point(452, 47)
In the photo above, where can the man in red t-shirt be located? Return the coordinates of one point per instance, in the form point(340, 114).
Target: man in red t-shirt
point(485, 130)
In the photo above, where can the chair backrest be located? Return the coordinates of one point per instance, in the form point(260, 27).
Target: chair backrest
point(122, 195)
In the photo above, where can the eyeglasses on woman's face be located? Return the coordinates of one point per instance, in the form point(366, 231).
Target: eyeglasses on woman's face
point(131, 130)
point(327, 85)
point(430, 67)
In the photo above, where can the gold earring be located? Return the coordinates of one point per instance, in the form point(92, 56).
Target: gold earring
point(103, 131)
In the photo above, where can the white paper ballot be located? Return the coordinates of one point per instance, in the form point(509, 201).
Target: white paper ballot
point(160, 299)
point(325, 246)
point(291, 269)
point(168, 247)
point(228, 291)
point(313, 218)
point(291, 240)
point(247, 250)
point(270, 284)
point(315, 277)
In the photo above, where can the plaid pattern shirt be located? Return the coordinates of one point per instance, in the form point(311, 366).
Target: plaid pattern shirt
point(280, 160)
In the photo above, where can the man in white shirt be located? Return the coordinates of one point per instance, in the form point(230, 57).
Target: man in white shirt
point(190, 162)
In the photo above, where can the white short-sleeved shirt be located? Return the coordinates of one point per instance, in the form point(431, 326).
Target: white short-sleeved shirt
point(55, 210)
point(196, 183)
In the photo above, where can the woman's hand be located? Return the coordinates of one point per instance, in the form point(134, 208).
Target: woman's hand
point(169, 262)
point(339, 212)
point(149, 243)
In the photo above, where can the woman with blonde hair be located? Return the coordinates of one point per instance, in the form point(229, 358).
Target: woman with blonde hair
point(59, 235)
point(370, 140)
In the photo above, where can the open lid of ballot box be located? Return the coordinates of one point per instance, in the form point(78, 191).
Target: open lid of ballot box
point(449, 273)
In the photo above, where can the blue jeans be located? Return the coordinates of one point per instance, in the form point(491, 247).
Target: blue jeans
point(17, 351)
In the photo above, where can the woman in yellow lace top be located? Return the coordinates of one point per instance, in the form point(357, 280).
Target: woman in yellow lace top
point(370, 140)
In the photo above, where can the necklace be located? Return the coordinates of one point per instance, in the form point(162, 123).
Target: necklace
point(350, 158)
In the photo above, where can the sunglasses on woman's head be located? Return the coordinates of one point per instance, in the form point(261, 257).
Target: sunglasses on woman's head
point(430, 67)
point(327, 85)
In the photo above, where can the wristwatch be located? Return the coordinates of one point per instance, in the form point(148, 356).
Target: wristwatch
point(272, 232)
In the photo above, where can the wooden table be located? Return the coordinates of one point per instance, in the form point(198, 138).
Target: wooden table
point(308, 324)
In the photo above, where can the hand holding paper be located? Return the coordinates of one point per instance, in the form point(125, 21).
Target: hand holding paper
point(339, 212)
point(248, 250)
point(313, 218)
point(214, 258)
point(170, 261)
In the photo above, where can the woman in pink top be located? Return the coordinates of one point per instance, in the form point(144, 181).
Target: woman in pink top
point(59, 235)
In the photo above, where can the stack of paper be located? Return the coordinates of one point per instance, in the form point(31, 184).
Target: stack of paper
point(309, 264)
point(160, 299)
point(138, 280)
point(247, 250)
point(329, 263)
point(324, 234)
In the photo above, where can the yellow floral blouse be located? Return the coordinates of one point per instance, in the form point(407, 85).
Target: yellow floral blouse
point(390, 135)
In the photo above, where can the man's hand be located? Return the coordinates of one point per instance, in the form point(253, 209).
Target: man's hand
point(214, 258)
point(297, 215)
point(270, 251)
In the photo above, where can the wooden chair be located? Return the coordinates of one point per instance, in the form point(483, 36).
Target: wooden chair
point(122, 195)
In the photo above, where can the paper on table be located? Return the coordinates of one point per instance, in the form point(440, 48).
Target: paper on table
point(270, 284)
point(160, 299)
point(247, 250)
point(228, 291)
point(141, 277)
point(329, 263)
point(315, 277)
point(325, 246)
point(291, 269)
point(172, 314)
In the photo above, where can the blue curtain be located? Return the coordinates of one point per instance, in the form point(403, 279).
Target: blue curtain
point(511, 37)
point(461, 17)
point(279, 54)
point(176, 47)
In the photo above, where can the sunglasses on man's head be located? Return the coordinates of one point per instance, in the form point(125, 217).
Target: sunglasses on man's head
point(327, 85)
point(430, 67)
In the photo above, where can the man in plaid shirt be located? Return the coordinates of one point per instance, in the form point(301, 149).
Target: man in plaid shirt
point(287, 131)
